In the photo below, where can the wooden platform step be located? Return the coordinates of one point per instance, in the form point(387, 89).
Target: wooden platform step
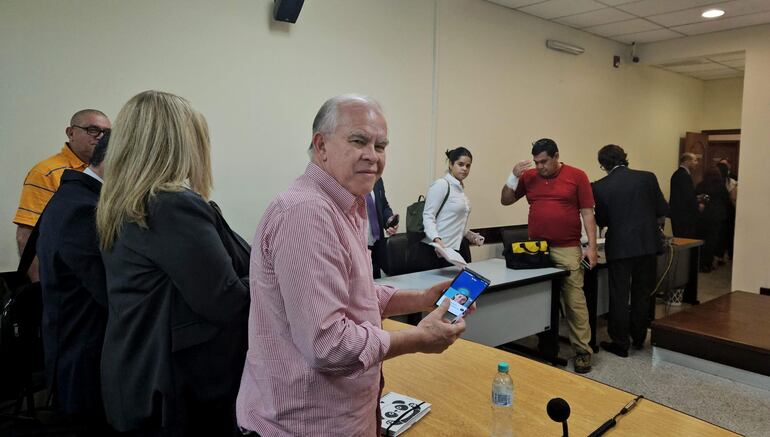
point(733, 329)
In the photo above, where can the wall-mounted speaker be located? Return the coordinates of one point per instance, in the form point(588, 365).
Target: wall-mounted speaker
point(287, 10)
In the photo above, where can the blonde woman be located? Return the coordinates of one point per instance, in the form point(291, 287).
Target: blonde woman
point(175, 340)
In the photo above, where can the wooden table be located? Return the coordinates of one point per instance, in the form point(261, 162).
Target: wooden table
point(458, 383)
point(691, 290)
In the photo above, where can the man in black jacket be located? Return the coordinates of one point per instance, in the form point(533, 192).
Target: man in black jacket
point(630, 204)
point(74, 295)
point(684, 205)
point(380, 223)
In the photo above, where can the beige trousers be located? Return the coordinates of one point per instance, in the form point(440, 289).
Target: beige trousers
point(573, 299)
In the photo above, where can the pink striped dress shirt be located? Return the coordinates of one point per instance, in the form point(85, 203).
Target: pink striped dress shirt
point(315, 324)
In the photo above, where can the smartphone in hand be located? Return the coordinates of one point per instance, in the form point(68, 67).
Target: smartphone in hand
point(465, 289)
point(392, 221)
point(585, 264)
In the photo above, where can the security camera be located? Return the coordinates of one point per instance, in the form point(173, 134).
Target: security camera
point(634, 58)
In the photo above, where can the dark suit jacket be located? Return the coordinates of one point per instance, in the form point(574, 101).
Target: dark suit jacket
point(629, 203)
point(74, 296)
point(178, 310)
point(383, 214)
point(684, 205)
point(716, 209)
point(383, 208)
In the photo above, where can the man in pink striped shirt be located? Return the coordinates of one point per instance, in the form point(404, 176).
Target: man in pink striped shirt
point(316, 342)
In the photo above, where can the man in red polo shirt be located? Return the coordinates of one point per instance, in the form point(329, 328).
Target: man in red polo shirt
point(558, 196)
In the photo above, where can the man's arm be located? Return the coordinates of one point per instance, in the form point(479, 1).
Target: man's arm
point(661, 206)
point(589, 222)
point(510, 194)
point(414, 301)
point(22, 236)
point(600, 212)
point(386, 213)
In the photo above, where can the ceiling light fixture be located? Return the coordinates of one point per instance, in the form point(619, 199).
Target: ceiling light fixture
point(713, 13)
point(564, 47)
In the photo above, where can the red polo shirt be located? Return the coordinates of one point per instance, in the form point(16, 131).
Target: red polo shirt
point(555, 203)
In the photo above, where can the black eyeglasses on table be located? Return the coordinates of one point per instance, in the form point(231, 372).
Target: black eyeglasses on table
point(93, 131)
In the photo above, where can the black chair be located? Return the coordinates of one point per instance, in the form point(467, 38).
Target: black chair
point(402, 254)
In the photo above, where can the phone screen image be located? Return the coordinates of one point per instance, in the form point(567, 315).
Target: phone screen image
point(465, 288)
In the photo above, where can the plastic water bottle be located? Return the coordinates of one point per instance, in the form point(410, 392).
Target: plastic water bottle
point(502, 402)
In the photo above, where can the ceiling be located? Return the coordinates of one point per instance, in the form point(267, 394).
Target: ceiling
point(722, 66)
point(645, 21)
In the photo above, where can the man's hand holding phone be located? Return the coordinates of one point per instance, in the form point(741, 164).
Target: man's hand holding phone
point(391, 225)
point(436, 332)
point(591, 256)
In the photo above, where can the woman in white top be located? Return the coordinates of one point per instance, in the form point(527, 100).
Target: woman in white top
point(447, 225)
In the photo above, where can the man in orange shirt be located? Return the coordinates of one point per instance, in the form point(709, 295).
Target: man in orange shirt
point(86, 128)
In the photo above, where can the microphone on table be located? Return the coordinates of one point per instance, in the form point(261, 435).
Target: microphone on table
point(558, 410)
point(606, 426)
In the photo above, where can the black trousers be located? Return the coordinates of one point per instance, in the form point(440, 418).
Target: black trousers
point(632, 278)
point(711, 232)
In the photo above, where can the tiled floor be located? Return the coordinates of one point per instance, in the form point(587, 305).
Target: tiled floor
point(737, 407)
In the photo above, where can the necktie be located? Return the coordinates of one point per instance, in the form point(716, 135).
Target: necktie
point(371, 212)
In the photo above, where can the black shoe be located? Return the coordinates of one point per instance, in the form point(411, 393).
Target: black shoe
point(615, 349)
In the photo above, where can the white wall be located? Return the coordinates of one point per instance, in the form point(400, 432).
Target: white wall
point(750, 267)
point(500, 89)
point(722, 101)
point(258, 82)
point(497, 88)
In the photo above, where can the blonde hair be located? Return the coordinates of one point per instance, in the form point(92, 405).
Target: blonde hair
point(158, 143)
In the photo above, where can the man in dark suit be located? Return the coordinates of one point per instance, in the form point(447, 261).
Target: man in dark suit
point(74, 295)
point(684, 205)
point(381, 220)
point(630, 204)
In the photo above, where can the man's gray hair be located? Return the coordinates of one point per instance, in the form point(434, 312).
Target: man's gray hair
point(328, 115)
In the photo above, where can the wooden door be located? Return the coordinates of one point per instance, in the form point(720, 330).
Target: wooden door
point(718, 150)
point(697, 143)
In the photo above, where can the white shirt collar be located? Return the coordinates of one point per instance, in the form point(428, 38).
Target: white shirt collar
point(685, 169)
point(453, 180)
point(93, 174)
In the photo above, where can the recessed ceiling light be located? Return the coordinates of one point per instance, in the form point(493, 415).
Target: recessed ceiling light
point(713, 13)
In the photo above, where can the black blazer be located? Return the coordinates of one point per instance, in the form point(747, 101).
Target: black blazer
point(381, 203)
point(716, 209)
point(629, 203)
point(684, 205)
point(178, 310)
point(74, 296)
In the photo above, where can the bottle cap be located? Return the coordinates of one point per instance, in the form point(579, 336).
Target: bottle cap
point(502, 367)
